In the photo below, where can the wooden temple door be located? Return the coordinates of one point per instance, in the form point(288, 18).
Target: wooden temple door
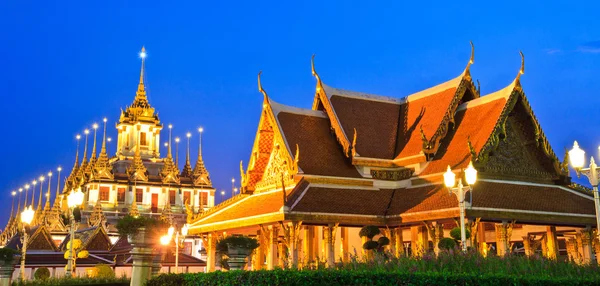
point(154, 203)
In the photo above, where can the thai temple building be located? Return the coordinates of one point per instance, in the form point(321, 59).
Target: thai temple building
point(136, 180)
point(316, 176)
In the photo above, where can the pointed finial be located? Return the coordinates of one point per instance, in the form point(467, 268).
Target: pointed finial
point(260, 88)
point(95, 126)
point(297, 155)
point(169, 145)
point(86, 132)
point(200, 130)
point(312, 66)
point(472, 58)
point(522, 70)
point(143, 57)
point(478, 87)
point(78, 137)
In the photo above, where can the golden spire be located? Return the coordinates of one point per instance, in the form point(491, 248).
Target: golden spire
point(76, 153)
point(187, 168)
point(25, 201)
point(315, 74)
point(33, 192)
point(47, 205)
point(177, 151)
point(140, 96)
point(12, 209)
point(39, 206)
point(169, 172)
point(522, 69)
point(102, 166)
point(137, 169)
point(93, 158)
point(57, 198)
point(19, 204)
point(84, 160)
point(201, 176)
point(133, 211)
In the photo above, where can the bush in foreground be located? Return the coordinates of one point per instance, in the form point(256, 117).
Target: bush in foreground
point(357, 277)
point(123, 281)
point(41, 274)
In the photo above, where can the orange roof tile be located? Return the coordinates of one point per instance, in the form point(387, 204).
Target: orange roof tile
point(476, 123)
point(252, 205)
point(320, 153)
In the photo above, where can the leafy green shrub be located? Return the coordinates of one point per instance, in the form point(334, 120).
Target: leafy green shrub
point(358, 277)
point(8, 254)
point(122, 281)
point(383, 241)
point(369, 245)
point(104, 271)
point(447, 243)
point(41, 274)
point(455, 233)
point(369, 231)
point(130, 225)
point(237, 241)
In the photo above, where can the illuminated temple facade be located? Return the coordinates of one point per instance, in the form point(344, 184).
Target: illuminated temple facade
point(316, 176)
point(136, 181)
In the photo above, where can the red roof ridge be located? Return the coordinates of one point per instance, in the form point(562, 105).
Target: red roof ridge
point(523, 183)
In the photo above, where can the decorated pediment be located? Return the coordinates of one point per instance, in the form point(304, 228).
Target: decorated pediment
point(280, 170)
point(41, 240)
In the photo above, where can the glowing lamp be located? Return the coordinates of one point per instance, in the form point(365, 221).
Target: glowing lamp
point(143, 54)
point(59, 169)
point(449, 178)
point(27, 215)
point(75, 198)
point(14, 193)
point(471, 174)
point(188, 135)
point(577, 156)
point(184, 230)
point(164, 240)
point(171, 231)
point(200, 129)
point(222, 193)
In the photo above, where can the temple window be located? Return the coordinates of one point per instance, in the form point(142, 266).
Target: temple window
point(104, 193)
point(172, 197)
point(139, 195)
point(186, 198)
point(121, 195)
point(143, 141)
point(203, 199)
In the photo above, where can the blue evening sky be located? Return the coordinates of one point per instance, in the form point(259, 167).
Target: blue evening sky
point(64, 66)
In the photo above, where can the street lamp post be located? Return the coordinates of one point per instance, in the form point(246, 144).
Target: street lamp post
point(577, 158)
point(460, 191)
point(164, 240)
point(26, 218)
point(74, 199)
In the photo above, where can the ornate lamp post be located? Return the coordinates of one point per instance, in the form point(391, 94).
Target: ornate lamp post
point(460, 191)
point(26, 218)
point(74, 199)
point(165, 239)
point(577, 158)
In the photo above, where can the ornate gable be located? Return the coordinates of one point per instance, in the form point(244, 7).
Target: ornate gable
point(518, 147)
point(41, 240)
point(98, 241)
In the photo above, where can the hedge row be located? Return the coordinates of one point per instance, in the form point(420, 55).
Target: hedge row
point(123, 281)
point(354, 277)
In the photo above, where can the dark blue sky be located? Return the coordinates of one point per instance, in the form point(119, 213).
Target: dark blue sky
point(65, 66)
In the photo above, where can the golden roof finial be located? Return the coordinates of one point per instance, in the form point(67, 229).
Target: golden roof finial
point(86, 132)
point(314, 72)
point(522, 70)
point(354, 143)
point(471, 59)
point(143, 57)
point(78, 137)
point(187, 168)
point(93, 158)
point(169, 154)
point(260, 88)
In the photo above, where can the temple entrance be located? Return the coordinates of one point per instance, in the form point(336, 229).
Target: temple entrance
point(154, 203)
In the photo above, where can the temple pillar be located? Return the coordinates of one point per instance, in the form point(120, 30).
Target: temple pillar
point(308, 246)
point(584, 241)
point(329, 236)
point(292, 231)
point(436, 231)
point(481, 243)
point(142, 264)
point(503, 231)
point(551, 251)
point(364, 252)
point(272, 248)
point(281, 255)
point(211, 252)
point(419, 242)
point(527, 246)
point(344, 244)
point(572, 251)
point(258, 254)
point(398, 242)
